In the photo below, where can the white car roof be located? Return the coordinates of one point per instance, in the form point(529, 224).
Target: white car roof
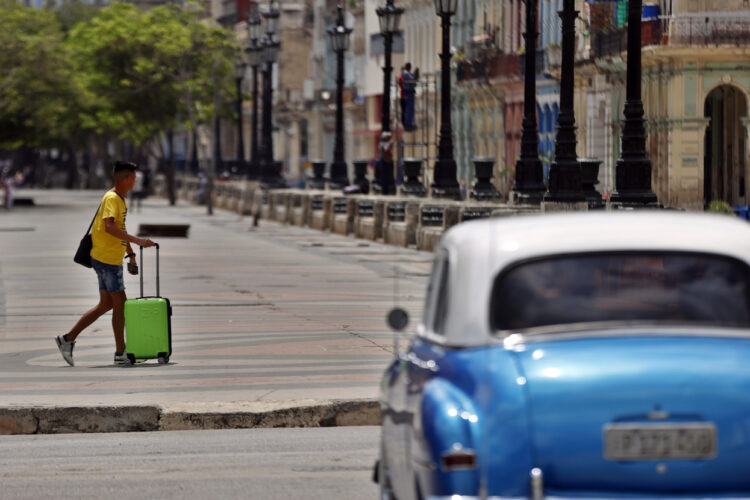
point(480, 249)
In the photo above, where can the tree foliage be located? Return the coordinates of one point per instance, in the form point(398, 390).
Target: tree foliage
point(140, 65)
point(36, 83)
point(71, 12)
point(115, 72)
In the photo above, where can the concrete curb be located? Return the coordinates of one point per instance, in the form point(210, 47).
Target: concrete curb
point(60, 420)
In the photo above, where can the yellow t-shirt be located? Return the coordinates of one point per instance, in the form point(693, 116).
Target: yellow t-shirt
point(106, 248)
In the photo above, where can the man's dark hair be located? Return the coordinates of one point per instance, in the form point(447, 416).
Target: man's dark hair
point(124, 165)
point(407, 66)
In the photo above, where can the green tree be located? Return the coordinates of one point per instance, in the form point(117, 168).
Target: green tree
point(71, 12)
point(205, 57)
point(35, 77)
point(74, 75)
point(152, 71)
point(79, 127)
point(206, 76)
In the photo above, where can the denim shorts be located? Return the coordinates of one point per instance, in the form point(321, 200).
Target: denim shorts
point(110, 277)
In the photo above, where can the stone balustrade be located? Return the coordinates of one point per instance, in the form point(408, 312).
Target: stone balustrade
point(406, 221)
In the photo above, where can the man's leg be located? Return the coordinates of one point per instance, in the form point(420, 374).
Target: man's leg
point(66, 342)
point(118, 319)
point(104, 305)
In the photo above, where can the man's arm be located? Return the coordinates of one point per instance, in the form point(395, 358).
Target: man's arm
point(111, 228)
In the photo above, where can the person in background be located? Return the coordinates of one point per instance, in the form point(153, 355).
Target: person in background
point(385, 163)
point(401, 100)
point(136, 195)
point(410, 92)
point(8, 180)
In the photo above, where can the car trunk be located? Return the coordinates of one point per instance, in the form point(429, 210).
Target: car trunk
point(660, 397)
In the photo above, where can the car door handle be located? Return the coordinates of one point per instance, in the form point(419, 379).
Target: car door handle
point(414, 360)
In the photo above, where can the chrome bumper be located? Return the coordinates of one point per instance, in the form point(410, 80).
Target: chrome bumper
point(464, 497)
point(536, 490)
point(471, 497)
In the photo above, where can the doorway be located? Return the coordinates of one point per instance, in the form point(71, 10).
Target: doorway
point(724, 176)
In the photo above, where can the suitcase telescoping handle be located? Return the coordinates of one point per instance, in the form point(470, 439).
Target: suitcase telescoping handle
point(157, 270)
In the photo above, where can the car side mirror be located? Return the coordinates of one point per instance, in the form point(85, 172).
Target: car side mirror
point(398, 319)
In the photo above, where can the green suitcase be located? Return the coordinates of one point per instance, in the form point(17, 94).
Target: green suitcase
point(148, 324)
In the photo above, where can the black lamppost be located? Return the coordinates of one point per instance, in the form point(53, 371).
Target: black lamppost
point(633, 171)
point(217, 146)
point(195, 163)
point(565, 172)
point(529, 182)
point(239, 72)
point(389, 18)
point(339, 35)
point(270, 170)
point(444, 184)
point(254, 53)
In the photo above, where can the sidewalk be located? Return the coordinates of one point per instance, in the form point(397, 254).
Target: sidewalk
point(272, 325)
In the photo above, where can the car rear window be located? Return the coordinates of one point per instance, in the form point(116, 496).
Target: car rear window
point(651, 287)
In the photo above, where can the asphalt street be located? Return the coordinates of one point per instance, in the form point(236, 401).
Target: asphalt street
point(268, 315)
point(283, 464)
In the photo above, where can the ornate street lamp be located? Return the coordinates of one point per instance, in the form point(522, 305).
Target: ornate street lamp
point(239, 73)
point(270, 170)
point(389, 18)
point(529, 184)
point(254, 52)
point(217, 146)
point(194, 161)
point(565, 172)
point(339, 35)
point(633, 171)
point(445, 184)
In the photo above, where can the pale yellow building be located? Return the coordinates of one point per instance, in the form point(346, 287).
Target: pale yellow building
point(696, 79)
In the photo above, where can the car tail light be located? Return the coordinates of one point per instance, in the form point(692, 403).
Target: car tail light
point(459, 460)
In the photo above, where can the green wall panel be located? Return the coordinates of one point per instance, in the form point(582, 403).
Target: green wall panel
point(691, 89)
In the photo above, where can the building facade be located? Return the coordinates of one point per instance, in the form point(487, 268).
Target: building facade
point(695, 84)
point(422, 41)
point(490, 89)
point(696, 80)
point(320, 85)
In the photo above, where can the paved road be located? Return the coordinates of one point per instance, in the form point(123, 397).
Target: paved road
point(271, 464)
point(266, 314)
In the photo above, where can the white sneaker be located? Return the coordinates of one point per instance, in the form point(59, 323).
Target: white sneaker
point(123, 359)
point(66, 349)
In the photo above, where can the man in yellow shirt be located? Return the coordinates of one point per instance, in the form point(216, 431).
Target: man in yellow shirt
point(110, 242)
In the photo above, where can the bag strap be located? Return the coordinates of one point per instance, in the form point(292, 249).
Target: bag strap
point(92, 220)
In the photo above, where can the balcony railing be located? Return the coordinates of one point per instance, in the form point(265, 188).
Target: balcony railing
point(496, 65)
point(709, 29)
point(614, 42)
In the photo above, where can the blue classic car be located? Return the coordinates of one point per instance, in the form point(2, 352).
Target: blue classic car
point(576, 356)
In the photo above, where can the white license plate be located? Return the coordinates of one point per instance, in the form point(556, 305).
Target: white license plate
point(659, 441)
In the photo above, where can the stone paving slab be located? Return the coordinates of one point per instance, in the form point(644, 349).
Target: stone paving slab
point(268, 315)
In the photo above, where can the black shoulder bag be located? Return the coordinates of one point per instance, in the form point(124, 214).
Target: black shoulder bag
point(83, 254)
